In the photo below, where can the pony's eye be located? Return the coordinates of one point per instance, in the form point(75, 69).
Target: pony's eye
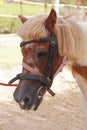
point(42, 54)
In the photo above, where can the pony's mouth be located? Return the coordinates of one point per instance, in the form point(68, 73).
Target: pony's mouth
point(28, 102)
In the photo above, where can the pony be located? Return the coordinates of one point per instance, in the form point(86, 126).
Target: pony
point(49, 42)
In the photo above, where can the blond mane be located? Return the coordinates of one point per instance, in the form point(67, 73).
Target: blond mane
point(69, 35)
point(70, 39)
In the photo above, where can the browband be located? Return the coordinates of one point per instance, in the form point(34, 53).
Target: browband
point(42, 40)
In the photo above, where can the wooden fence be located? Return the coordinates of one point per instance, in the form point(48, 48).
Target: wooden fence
point(64, 7)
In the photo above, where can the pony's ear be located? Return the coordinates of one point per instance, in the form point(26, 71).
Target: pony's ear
point(22, 18)
point(51, 20)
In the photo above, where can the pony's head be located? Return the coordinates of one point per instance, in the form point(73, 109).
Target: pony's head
point(44, 44)
point(40, 59)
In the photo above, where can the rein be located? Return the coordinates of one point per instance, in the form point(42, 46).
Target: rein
point(46, 79)
point(8, 85)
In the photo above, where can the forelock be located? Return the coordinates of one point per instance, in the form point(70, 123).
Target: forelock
point(33, 28)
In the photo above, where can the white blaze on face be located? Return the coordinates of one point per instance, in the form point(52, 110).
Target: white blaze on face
point(30, 45)
point(30, 60)
point(35, 49)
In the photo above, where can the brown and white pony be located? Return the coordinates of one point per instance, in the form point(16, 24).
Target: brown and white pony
point(71, 40)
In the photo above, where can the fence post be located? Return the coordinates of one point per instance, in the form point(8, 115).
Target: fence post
point(21, 7)
point(56, 6)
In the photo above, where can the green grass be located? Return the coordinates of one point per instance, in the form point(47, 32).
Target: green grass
point(14, 9)
point(10, 25)
point(10, 57)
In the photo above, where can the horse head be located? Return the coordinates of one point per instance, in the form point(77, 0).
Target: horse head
point(40, 59)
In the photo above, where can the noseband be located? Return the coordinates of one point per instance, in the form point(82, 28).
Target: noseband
point(47, 78)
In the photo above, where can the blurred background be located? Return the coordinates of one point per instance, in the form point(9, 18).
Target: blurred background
point(10, 55)
point(10, 9)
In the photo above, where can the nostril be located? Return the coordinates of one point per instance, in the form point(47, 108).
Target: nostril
point(25, 103)
point(26, 100)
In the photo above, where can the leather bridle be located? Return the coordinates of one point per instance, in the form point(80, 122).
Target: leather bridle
point(46, 79)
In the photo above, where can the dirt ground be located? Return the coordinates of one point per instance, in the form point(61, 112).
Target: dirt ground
point(64, 111)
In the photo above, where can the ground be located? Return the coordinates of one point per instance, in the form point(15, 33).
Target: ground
point(64, 111)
